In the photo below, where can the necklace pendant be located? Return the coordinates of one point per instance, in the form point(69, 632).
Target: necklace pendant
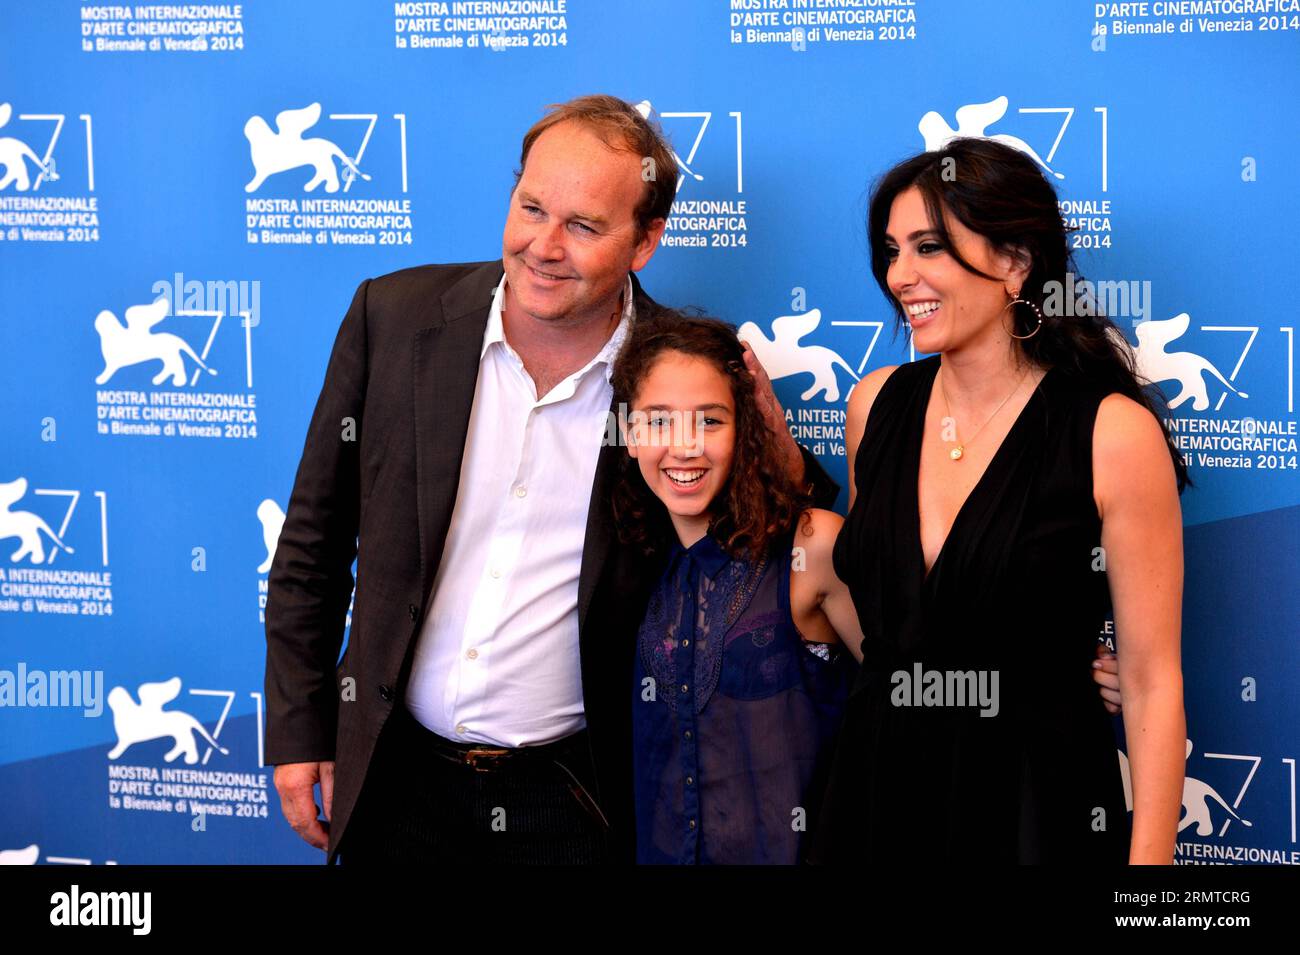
point(957, 452)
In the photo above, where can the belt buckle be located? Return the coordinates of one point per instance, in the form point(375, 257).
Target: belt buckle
point(472, 757)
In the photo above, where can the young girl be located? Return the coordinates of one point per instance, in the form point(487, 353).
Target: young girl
point(741, 667)
point(741, 671)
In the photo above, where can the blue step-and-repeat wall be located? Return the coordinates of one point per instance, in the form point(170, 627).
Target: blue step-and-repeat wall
point(191, 193)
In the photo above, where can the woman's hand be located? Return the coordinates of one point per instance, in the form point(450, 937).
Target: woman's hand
point(774, 416)
point(1105, 673)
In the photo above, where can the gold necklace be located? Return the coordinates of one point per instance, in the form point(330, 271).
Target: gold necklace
point(957, 452)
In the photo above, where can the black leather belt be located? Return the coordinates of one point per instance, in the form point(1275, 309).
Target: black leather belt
point(564, 754)
point(487, 758)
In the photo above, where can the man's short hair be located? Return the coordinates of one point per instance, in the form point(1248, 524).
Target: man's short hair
point(620, 126)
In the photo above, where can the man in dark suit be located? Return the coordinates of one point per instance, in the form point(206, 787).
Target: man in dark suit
point(458, 452)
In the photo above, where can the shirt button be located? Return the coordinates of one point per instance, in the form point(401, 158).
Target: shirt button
point(687, 734)
point(460, 728)
point(691, 823)
point(690, 780)
point(686, 643)
point(495, 572)
point(472, 653)
point(521, 491)
point(685, 688)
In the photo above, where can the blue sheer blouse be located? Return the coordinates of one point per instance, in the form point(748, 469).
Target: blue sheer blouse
point(733, 712)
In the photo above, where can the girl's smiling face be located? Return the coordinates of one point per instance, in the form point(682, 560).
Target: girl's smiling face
point(682, 434)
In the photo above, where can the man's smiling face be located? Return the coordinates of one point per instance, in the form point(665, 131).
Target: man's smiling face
point(571, 235)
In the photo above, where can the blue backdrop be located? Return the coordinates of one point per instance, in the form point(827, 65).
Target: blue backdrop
point(191, 193)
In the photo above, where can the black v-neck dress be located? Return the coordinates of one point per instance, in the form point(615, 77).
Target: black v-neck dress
point(1029, 771)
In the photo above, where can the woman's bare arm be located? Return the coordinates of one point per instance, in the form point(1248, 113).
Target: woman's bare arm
point(819, 600)
point(1137, 497)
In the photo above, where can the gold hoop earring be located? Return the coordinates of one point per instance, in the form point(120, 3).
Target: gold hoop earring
point(1018, 300)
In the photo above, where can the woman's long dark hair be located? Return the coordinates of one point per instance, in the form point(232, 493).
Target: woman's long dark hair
point(999, 193)
point(759, 501)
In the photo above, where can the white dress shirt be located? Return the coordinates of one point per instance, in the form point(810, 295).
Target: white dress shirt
point(497, 659)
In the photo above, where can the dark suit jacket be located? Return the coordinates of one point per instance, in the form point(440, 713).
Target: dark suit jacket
point(377, 482)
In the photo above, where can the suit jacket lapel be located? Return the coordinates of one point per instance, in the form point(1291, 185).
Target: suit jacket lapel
point(601, 533)
point(445, 362)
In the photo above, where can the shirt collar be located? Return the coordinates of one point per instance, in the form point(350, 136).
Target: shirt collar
point(706, 553)
point(495, 331)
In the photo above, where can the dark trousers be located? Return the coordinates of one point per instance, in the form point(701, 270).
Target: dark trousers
point(418, 807)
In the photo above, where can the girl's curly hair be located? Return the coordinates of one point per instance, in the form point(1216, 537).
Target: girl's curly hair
point(759, 501)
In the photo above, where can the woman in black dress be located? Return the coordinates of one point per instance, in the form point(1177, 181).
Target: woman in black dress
point(1005, 494)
